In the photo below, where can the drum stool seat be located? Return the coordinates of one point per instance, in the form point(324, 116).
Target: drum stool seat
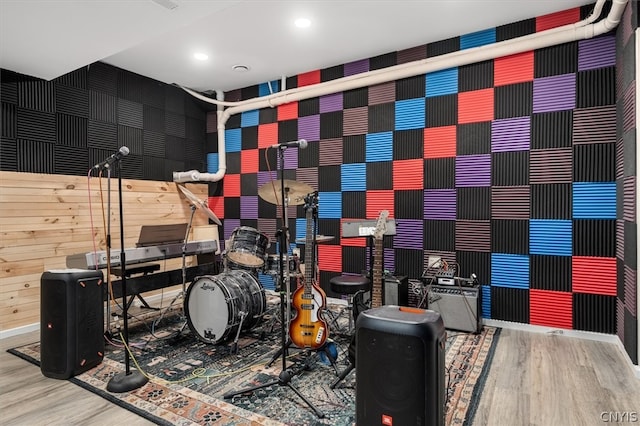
point(349, 285)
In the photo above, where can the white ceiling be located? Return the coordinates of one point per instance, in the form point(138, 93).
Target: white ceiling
point(49, 38)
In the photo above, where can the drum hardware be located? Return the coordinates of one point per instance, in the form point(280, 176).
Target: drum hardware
point(196, 202)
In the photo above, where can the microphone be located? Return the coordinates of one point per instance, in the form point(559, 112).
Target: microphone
point(122, 152)
point(302, 144)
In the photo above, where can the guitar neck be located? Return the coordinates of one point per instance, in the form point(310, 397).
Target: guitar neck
point(308, 253)
point(376, 289)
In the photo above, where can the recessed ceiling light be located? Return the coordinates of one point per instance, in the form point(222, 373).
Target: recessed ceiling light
point(201, 56)
point(302, 23)
point(240, 68)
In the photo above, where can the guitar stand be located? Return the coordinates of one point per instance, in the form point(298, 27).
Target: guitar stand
point(343, 375)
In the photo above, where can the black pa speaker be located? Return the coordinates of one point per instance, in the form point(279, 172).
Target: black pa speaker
point(400, 355)
point(71, 322)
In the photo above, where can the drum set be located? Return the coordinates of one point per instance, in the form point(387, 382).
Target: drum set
point(218, 307)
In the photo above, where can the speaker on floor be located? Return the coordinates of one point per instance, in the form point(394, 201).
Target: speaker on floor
point(71, 322)
point(400, 355)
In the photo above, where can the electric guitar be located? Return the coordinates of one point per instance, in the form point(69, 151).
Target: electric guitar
point(308, 329)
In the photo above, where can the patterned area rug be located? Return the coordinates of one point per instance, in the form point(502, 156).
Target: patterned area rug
point(189, 377)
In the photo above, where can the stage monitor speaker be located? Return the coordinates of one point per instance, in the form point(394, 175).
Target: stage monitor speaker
point(400, 355)
point(71, 322)
point(460, 307)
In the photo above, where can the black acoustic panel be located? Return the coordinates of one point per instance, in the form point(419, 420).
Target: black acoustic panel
point(354, 204)
point(551, 273)
point(103, 78)
point(330, 227)
point(516, 29)
point(408, 144)
point(8, 155)
point(510, 236)
point(174, 148)
point(71, 160)
point(153, 93)
point(9, 121)
point(130, 86)
point(291, 82)
point(35, 156)
point(77, 79)
point(231, 206)
point(132, 139)
point(439, 235)
point(38, 95)
point(354, 149)
point(268, 115)
point(474, 203)
point(329, 179)
point(72, 101)
point(513, 100)
point(442, 110)
point(131, 169)
point(287, 131)
point(556, 60)
point(510, 304)
point(629, 148)
point(250, 92)
point(410, 87)
point(354, 259)
point(596, 87)
point(409, 204)
point(250, 137)
point(510, 168)
point(443, 46)
point(594, 312)
point(631, 245)
point(234, 121)
point(102, 135)
point(272, 157)
point(475, 76)
point(71, 130)
point(381, 118)
point(195, 128)
point(594, 162)
point(153, 143)
point(383, 61)
point(174, 99)
point(474, 138)
point(620, 278)
point(331, 125)
point(153, 168)
point(473, 262)
point(408, 262)
point(552, 130)
point(355, 98)
point(103, 107)
point(9, 86)
point(332, 73)
point(440, 173)
point(175, 124)
point(631, 335)
point(308, 107)
point(308, 157)
point(379, 175)
point(215, 189)
point(551, 201)
point(36, 125)
point(593, 237)
point(233, 162)
point(628, 65)
point(265, 209)
point(153, 119)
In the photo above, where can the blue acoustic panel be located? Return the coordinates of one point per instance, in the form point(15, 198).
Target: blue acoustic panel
point(553, 237)
point(510, 270)
point(479, 38)
point(250, 118)
point(213, 162)
point(233, 140)
point(353, 177)
point(265, 89)
point(301, 228)
point(486, 301)
point(329, 205)
point(379, 147)
point(594, 200)
point(443, 82)
point(410, 114)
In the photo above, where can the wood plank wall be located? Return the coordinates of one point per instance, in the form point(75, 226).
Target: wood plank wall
point(44, 218)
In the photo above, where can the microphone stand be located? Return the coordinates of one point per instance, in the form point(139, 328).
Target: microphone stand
point(285, 376)
point(129, 380)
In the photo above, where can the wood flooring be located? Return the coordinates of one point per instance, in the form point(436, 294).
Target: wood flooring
point(535, 379)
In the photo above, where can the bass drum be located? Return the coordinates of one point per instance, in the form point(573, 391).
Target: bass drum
point(216, 304)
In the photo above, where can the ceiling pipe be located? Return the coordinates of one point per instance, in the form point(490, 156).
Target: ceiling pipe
point(584, 29)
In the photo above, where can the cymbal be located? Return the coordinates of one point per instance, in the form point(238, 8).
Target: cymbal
point(296, 191)
point(319, 239)
point(196, 202)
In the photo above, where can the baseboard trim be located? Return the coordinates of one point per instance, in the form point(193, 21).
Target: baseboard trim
point(587, 335)
point(5, 334)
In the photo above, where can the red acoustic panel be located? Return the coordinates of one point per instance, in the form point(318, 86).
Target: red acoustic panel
point(594, 275)
point(231, 185)
point(513, 69)
point(378, 201)
point(352, 241)
point(330, 258)
point(288, 111)
point(557, 19)
point(551, 308)
point(249, 161)
point(309, 78)
point(267, 135)
point(408, 174)
point(475, 106)
point(216, 204)
point(440, 142)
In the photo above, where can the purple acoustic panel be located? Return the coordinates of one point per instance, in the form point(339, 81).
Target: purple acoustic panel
point(291, 158)
point(356, 67)
point(329, 103)
point(597, 52)
point(309, 127)
point(555, 93)
point(473, 170)
point(249, 207)
point(409, 234)
point(440, 204)
point(512, 134)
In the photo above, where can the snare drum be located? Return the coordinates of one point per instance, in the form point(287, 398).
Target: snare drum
point(272, 265)
point(248, 247)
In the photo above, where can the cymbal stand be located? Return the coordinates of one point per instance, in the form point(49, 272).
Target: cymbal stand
point(285, 376)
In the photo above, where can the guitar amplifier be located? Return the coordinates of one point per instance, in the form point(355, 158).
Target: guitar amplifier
point(395, 290)
point(460, 307)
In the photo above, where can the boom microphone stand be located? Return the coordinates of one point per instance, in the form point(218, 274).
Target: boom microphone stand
point(285, 376)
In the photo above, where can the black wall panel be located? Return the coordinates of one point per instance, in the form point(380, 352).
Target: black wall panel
point(550, 272)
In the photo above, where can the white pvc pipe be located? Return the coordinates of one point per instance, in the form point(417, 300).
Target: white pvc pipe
point(584, 29)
